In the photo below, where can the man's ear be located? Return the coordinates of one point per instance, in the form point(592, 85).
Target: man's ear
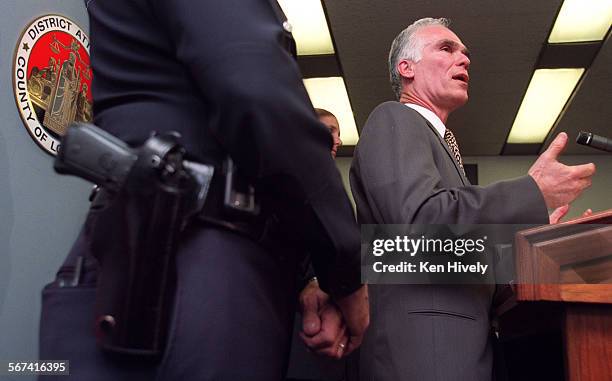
point(405, 69)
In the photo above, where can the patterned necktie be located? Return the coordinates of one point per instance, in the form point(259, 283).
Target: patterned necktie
point(449, 138)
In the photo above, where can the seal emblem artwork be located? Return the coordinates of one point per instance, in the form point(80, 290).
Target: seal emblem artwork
point(52, 79)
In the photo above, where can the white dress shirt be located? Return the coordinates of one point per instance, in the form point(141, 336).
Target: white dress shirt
point(430, 116)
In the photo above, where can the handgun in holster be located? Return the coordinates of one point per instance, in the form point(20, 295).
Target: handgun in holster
point(151, 193)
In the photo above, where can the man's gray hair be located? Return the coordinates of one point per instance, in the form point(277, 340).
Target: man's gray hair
point(407, 46)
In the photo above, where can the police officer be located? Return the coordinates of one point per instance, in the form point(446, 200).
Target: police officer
point(220, 74)
point(320, 324)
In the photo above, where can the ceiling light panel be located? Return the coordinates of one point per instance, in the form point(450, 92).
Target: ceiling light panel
point(330, 94)
point(582, 20)
point(544, 100)
point(309, 26)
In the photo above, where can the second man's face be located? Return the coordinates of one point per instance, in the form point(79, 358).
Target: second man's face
point(334, 129)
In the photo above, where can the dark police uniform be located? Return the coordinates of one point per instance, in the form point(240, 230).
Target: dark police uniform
point(219, 73)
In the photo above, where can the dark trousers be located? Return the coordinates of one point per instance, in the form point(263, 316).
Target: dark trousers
point(232, 318)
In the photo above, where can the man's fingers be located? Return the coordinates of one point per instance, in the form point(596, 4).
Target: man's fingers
point(356, 312)
point(337, 348)
point(558, 213)
point(587, 213)
point(324, 339)
point(312, 300)
point(583, 170)
point(560, 184)
point(330, 317)
point(557, 146)
point(334, 351)
point(353, 343)
point(342, 347)
point(332, 330)
point(311, 324)
point(316, 342)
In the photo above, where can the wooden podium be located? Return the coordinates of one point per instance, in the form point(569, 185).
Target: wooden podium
point(564, 283)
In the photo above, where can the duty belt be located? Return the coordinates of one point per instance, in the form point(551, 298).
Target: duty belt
point(230, 204)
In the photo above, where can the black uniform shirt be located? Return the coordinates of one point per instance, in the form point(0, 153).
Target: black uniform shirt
point(218, 73)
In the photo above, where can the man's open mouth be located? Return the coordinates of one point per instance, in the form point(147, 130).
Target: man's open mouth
point(463, 77)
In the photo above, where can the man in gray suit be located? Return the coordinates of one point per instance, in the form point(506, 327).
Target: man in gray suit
point(407, 169)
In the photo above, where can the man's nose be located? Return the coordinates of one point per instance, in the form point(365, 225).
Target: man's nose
point(464, 60)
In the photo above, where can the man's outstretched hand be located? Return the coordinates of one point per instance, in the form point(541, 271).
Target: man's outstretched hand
point(560, 184)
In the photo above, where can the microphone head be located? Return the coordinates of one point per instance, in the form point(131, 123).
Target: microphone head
point(583, 138)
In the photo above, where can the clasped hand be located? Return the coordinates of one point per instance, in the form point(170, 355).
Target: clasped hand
point(331, 329)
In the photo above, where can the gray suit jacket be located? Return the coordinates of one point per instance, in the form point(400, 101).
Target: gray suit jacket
point(404, 173)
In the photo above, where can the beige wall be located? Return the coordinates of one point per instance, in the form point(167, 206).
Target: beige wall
point(495, 168)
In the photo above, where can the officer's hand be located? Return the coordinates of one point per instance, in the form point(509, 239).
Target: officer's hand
point(312, 298)
point(331, 340)
point(356, 312)
point(323, 330)
point(560, 184)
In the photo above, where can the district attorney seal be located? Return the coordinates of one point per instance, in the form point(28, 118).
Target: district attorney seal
point(52, 78)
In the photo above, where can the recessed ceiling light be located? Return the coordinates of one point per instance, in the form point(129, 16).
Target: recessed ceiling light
point(330, 94)
point(309, 26)
point(582, 20)
point(546, 96)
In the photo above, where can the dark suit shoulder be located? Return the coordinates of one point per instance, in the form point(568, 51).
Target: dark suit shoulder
point(393, 132)
point(394, 120)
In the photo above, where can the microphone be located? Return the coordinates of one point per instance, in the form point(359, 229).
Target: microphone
point(595, 141)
